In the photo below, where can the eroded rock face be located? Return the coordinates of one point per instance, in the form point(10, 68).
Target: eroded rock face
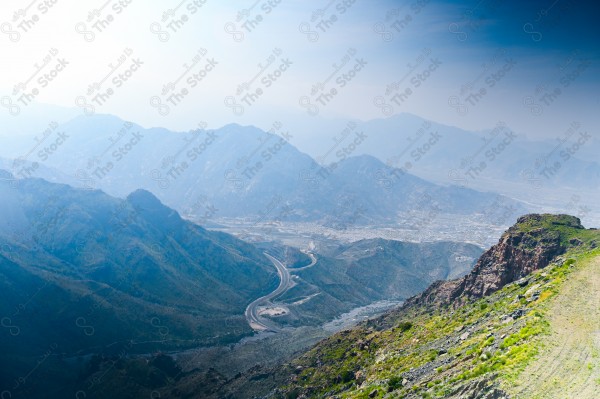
point(519, 252)
point(507, 261)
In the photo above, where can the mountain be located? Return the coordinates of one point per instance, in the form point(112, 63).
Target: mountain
point(22, 169)
point(528, 246)
point(86, 278)
point(367, 184)
point(513, 314)
point(483, 160)
point(127, 270)
point(243, 172)
point(429, 148)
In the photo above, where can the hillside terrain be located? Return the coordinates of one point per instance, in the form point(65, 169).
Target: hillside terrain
point(474, 337)
point(331, 199)
point(106, 260)
point(372, 270)
point(86, 277)
point(82, 273)
point(568, 365)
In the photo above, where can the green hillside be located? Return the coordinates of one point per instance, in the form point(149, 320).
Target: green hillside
point(466, 348)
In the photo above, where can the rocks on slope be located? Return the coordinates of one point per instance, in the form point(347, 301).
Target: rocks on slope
point(525, 247)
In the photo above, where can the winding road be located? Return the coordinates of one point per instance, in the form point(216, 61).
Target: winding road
point(313, 261)
point(256, 322)
point(254, 319)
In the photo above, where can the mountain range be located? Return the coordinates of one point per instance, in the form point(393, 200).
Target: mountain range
point(482, 159)
point(126, 269)
point(242, 172)
point(85, 276)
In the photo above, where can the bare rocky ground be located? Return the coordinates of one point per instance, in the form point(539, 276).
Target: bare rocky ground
point(568, 365)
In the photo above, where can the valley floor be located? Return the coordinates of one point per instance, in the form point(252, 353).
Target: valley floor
point(568, 365)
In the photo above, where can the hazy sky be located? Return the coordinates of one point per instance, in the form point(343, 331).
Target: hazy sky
point(178, 63)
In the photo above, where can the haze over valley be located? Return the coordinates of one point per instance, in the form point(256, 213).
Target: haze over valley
point(293, 200)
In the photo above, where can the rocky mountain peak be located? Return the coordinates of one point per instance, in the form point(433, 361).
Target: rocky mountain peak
point(529, 245)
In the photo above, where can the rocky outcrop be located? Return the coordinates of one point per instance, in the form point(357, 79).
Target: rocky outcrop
point(527, 246)
point(482, 388)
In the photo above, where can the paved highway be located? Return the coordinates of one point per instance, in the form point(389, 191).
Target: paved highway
point(313, 261)
point(254, 319)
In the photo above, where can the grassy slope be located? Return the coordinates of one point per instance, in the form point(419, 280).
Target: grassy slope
point(443, 353)
point(568, 364)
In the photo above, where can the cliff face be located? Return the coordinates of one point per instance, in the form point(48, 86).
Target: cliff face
point(527, 246)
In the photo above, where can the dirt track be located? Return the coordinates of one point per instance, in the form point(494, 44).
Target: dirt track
point(568, 365)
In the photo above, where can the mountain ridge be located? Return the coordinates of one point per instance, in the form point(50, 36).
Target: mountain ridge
point(236, 170)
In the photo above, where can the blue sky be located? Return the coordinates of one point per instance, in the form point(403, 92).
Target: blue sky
point(432, 59)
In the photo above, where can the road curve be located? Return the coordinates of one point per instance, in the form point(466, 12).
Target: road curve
point(313, 261)
point(254, 320)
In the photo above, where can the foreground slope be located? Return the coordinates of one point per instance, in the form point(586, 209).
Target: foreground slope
point(472, 337)
point(568, 365)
